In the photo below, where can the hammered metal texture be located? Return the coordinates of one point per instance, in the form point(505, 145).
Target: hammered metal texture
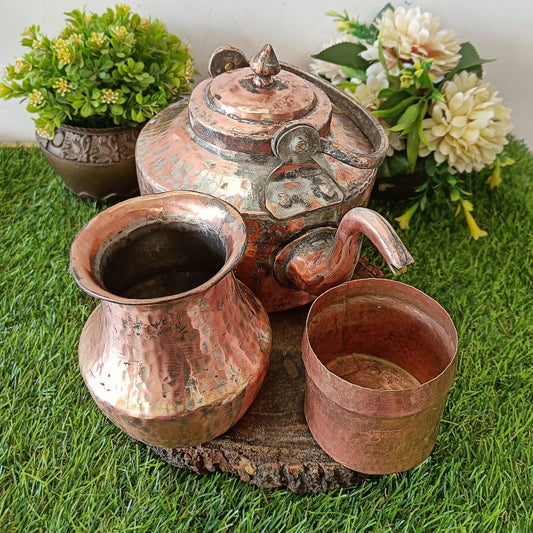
point(372, 429)
point(223, 142)
point(169, 158)
point(170, 369)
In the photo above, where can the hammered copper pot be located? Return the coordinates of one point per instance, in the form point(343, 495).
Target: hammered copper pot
point(95, 163)
point(380, 357)
point(178, 348)
point(295, 155)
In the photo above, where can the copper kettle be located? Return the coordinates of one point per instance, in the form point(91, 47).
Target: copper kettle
point(295, 155)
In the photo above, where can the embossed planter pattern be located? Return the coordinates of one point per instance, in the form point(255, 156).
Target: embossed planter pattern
point(95, 163)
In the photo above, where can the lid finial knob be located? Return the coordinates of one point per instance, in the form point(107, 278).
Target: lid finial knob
point(265, 65)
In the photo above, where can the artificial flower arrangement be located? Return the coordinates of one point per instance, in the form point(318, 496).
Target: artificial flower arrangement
point(426, 89)
point(103, 70)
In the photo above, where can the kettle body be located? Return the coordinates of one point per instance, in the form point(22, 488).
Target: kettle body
point(288, 150)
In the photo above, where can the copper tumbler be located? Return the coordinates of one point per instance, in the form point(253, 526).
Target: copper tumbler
point(380, 357)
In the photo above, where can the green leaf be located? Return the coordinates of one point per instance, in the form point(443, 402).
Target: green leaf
point(413, 142)
point(424, 186)
point(137, 116)
point(353, 27)
point(470, 61)
point(408, 118)
point(394, 165)
point(350, 85)
point(385, 111)
point(386, 93)
point(116, 109)
point(423, 202)
point(431, 166)
point(346, 54)
point(351, 72)
point(386, 7)
point(395, 98)
point(139, 98)
point(419, 125)
point(86, 110)
point(437, 95)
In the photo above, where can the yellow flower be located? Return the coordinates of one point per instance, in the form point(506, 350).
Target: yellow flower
point(144, 24)
point(495, 178)
point(468, 129)
point(36, 98)
point(109, 96)
point(475, 231)
point(64, 56)
point(124, 7)
point(189, 70)
point(98, 38)
point(21, 65)
point(406, 217)
point(62, 86)
point(60, 43)
point(37, 43)
point(406, 79)
point(120, 32)
point(418, 69)
point(75, 38)
point(29, 33)
point(46, 131)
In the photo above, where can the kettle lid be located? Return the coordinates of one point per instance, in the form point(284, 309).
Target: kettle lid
point(241, 107)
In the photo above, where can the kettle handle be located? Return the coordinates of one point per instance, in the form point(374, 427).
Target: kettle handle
point(357, 113)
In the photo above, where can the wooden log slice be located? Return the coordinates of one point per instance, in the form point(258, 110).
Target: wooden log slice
point(271, 446)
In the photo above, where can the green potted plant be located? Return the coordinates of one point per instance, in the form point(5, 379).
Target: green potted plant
point(92, 88)
point(426, 87)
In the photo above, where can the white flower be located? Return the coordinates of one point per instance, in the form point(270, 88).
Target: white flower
point(331, 71)
point(367, 93)
point(410, 36)
point(376, 72)
point(468, 130)
point(396, 141)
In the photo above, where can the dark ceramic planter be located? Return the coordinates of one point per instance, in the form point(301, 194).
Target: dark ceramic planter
point(95, 163)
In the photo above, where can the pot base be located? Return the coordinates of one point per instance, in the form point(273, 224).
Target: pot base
point(105, 184)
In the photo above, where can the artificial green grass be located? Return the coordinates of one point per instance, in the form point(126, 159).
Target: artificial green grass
point(64, 467)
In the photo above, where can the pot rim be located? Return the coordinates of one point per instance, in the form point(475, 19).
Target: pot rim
point(84, 248)
point(349, 395)
point(104, 131)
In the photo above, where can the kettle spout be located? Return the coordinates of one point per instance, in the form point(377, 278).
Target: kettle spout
point(325, 257)
point(382, 235)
